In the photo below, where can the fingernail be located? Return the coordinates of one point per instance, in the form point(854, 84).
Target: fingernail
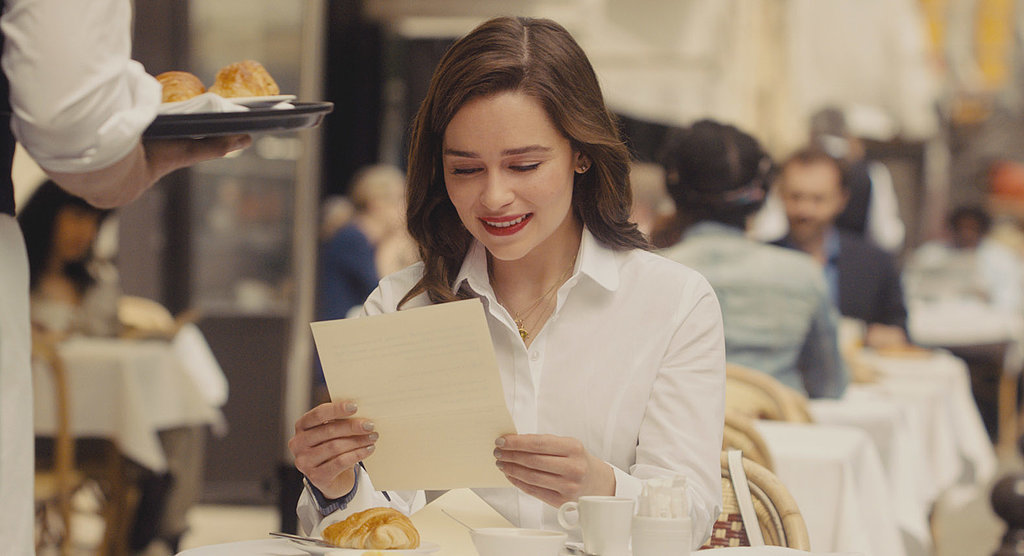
point(351, 407)
point(499, 465)
point(500, 441)
point(371, 447)
point(373, 437)
point(368, 426)
point(497, 453)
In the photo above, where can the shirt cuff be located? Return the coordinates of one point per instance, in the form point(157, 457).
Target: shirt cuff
point(327, 506)
point(626, 485)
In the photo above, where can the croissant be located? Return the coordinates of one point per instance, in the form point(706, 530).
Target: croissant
point(375, 529)
point(244, 79)
point(180, 85)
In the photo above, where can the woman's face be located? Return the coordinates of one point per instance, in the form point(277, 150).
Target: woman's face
point(74, 231)
point(509, 173)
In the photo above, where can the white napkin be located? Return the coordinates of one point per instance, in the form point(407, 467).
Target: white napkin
point(206, 102)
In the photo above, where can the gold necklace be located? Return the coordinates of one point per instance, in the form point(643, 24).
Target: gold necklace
point(519, 317)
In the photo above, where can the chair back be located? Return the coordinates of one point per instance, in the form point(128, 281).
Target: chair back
point(776, 513)
point(760, 396)
point(740, 434)
point(56, 485)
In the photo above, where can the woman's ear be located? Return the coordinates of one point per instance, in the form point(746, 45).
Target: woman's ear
point(582, 163)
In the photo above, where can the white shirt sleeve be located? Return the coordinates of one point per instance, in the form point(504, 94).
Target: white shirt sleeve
point(79, 103)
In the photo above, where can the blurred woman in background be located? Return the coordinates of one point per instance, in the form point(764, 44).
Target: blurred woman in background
point(70, 291)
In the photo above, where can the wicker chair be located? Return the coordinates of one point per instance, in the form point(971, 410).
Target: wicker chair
point(760, 396)
point(56, 483)
point(60, 478)
point(741, 435)
point(777, 514)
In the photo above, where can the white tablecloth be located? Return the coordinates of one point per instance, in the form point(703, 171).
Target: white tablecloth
point(925, 425)
point(836, 476)
point(937, 392)
point(964, 322)
point(129, 390)
point(281, 547)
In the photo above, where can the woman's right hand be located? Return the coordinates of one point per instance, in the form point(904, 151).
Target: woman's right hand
point(328, 443)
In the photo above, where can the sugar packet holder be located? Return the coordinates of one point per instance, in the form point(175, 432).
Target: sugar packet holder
point(661, 526)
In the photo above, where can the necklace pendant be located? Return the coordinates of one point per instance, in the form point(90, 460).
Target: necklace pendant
point(522, 330)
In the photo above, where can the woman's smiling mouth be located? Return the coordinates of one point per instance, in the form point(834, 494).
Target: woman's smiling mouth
point(506, 226)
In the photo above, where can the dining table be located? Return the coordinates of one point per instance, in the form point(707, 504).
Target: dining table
point(128, 393)
point(437, 525)
point(989, 337)
point(837, 479)
point(128, 390)
point(920, 415)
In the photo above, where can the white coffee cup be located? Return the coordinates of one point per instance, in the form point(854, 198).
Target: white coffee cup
point(603, 521)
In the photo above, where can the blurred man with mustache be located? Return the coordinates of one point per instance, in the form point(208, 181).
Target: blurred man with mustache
point(863, 280)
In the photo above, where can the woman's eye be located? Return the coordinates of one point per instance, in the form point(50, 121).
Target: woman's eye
point(464, 171)
point(525, 167)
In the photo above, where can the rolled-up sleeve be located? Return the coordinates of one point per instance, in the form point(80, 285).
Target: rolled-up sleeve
point(79, 103)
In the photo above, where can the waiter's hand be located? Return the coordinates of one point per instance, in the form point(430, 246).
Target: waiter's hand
point(152, 159)
point(167, 155)
point(328, 443)
point(553, 469)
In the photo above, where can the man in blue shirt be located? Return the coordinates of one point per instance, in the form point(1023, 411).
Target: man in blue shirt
point(776, 309)
point(863, 280)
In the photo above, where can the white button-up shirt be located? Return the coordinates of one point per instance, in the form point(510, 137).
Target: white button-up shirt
point(78, 101)
point(631, 363)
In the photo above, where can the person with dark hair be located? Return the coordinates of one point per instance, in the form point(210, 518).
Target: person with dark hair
point(872, 209)
point(60, 230)
point(612, 358)
point(775, 306)
point(967, 265)
point(863, 280)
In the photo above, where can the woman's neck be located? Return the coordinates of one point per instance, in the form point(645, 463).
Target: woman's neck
point(530, 276)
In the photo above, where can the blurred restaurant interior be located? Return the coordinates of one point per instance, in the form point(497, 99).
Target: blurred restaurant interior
point(933, 89)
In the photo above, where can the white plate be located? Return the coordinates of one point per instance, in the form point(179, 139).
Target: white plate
point(426, 547)
point(261, 102)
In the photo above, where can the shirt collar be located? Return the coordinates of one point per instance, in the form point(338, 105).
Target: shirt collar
point(832, 246)
point(593, 260)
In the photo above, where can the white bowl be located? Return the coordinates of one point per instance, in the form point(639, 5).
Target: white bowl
point(508, 541)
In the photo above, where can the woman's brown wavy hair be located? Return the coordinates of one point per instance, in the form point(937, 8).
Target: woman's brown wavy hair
point(537, 57)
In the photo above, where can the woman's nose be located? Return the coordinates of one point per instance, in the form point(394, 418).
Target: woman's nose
point(497, 192)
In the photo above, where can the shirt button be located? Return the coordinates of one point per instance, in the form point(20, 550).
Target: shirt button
point(534, 356)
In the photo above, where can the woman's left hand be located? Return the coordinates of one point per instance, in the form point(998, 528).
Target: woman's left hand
point(553, 469)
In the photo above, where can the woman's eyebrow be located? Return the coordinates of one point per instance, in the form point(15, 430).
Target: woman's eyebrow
point(507, 152)
point(525, 150)
point(463, 154)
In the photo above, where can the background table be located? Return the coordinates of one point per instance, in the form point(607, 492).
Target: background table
point(127, 391)
point(988, 337)
point(927, 430)
point(936, 390)
point(837, 479)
